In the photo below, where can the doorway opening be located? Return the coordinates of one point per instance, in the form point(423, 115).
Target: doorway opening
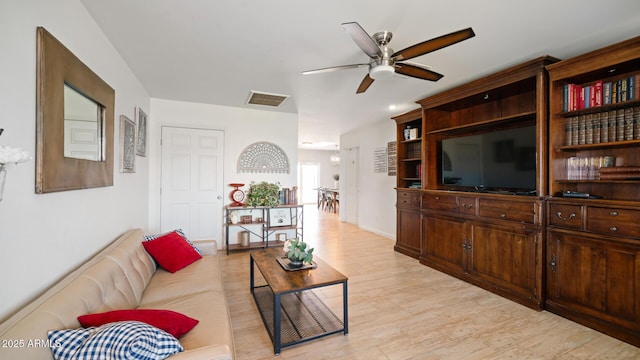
point(309, 182)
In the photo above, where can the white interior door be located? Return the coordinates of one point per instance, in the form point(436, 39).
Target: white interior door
point(191, 183)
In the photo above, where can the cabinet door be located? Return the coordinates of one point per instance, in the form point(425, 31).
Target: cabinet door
point(408, 232)
point(444, 242)
point(594, 277)
point(506, 257)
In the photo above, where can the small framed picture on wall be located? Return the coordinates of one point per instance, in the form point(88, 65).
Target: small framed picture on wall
point(141, 139)
point(127, 145)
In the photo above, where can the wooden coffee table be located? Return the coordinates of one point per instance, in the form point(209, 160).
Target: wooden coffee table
point(290, 312)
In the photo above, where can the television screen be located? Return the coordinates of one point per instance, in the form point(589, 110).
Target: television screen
point(499, 161)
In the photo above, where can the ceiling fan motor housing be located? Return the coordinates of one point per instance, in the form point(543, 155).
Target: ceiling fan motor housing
point(381, 72)
point(383, 68)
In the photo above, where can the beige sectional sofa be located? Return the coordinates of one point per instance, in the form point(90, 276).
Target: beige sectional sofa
point(125, 276)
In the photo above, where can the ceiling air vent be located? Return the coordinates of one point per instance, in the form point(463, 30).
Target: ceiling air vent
point(266, 99)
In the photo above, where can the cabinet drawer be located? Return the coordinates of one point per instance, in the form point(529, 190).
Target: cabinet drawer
point(467, 205)
point(446, 202)
point(614, 221)
point(408, 199)
point(568, 216)
point(507, 210)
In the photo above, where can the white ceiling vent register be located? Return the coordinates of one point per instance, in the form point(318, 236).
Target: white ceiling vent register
point(266, 99)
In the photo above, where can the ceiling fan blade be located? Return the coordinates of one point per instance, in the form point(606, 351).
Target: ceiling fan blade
point(334, 68)
point(362, 39)
point(364, 85)
point(433, 44)
point(417, 72)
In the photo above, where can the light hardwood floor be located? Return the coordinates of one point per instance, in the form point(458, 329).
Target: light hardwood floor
point(400, 309)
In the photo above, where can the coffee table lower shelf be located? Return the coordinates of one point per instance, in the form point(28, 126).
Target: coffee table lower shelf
point(303, 316)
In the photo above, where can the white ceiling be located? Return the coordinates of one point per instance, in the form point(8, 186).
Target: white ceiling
point(217, 52)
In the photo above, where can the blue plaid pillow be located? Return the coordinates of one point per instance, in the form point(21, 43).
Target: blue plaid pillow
point(113, 341)
point(180, 232)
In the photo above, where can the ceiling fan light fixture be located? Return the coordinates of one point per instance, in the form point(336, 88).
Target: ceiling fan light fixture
point(381, 72)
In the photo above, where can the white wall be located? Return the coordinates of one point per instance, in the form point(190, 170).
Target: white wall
point(45, 236)
point(377, 197)
point(242, 127)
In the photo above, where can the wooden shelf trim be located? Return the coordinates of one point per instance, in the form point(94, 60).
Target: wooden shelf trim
point(599, 109)
point(491, 123)
point(612, 181)
point(607, 145)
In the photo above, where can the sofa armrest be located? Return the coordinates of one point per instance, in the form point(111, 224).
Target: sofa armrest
point(208, 247)
point(212, 352)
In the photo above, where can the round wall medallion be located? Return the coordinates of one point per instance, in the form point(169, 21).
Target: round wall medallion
point(263, 157)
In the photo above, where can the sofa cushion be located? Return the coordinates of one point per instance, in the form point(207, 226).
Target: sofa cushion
point(179, 232)
point(120, 340)
point(210, 307)
point(203, 275)
point(171, 251)
point(172, 322)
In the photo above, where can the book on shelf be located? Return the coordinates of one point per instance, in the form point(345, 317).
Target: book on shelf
point(289, 196)
point(628, 123)
point(415, 185)
point(596, 95)
point(620, 125)
point(606, 93)
point(595, 122)
point(620, 176)
point(599, 93)
point(611, 118)
point(636, 123)
point(620, 169)
point(603, 127)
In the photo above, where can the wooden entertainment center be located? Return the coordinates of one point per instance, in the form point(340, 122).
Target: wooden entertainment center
point(549, 247)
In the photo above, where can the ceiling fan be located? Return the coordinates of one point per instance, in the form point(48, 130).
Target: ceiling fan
point(384, 62)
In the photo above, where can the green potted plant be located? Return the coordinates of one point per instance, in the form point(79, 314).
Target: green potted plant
point(263, 194)
point(298, 253)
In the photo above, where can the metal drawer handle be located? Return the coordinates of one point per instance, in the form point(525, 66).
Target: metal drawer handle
point(437, 197)
point(559, 215)
point(613, 228)
point(503, 215)
point(613, 213)
point(467, 205)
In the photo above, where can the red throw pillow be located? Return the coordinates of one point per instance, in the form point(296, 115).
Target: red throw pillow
point(172, 322)
point(171, 251)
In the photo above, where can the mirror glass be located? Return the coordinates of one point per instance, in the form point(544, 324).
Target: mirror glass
point(83, 126)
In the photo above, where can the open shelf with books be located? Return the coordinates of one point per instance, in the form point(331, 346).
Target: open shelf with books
point(594, 135)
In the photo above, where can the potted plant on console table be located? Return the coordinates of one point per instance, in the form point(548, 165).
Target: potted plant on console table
point(263, 194)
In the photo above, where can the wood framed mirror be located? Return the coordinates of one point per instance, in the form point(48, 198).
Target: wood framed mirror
point(74, 121)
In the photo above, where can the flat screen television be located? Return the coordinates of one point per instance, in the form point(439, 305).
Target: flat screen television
point(502, 161)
